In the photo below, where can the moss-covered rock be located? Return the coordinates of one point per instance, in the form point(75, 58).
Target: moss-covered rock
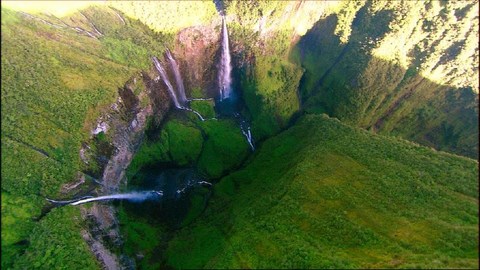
point(185, 142)
point(178, 143)
point(204, 107)
point(224, 148)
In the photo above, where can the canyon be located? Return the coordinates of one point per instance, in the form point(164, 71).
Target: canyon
point(230, 107)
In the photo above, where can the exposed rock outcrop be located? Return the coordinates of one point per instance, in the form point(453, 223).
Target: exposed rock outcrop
point(196, 50)
point(128, 120)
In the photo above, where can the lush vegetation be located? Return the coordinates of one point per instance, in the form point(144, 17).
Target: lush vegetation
point(178, 143)
point(49, 88)
point(55, 83)
point(364, 82)
point(214, 146)
point(142, 238)
point(56, 242)
point(321, 194)
point(270, 94)
point(325, 195)
point(204, 107)
point(224, 150)
point(168, 16)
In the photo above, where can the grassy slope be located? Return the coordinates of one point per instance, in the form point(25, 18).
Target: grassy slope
point(64, 248)
point(50, 84)
point(55, 83)
point(168, 16)
point(62, 92)
point(323, 194)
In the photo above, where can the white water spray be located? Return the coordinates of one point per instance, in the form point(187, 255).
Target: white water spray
point(225, 76)
point(132, 196)
point(191, 184)
point(245, 128)
point(204, 183)
point(69, 201)
point(178, 78)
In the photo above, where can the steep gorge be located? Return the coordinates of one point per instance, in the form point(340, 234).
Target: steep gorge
point(353, 83)
point(355, 70)
point(289, 59)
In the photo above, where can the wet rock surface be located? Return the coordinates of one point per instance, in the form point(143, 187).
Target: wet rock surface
point(197, 50)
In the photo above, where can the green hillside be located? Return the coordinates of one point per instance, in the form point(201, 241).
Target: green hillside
point(331, 92)
point(55, 83)
point(380, 79)
point(326, 195)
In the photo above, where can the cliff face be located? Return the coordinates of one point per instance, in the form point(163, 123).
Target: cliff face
point(196, 50)
point(396, 68)
point(413, 75)
point(399, 68)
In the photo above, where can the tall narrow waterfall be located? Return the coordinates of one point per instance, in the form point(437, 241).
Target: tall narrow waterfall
point(225, 72)
point(163, 74)
point(178, 78)
point(179, 104)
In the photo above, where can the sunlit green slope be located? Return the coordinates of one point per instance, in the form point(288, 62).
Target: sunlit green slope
point(55, 82)
point(323, 194)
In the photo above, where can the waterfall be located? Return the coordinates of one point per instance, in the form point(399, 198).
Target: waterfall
point(132, 196)
point(171, 90)
point(163, 74)
point(247, 133)
point(69, 201)
point(191, 184)
point(225, 79)
point(225, 76)
point(248, 136)
point(178, 78)
point(196, 99)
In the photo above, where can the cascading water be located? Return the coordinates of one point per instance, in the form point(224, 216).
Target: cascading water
point(165, 79)
point(245, 127)
point(132, 196)
point(225, 81)
point(178, 78)
point(179, 104)
point(69, 201)
point(248, 134)
point(195, 112)
point(225, 73)
point(197, 99)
